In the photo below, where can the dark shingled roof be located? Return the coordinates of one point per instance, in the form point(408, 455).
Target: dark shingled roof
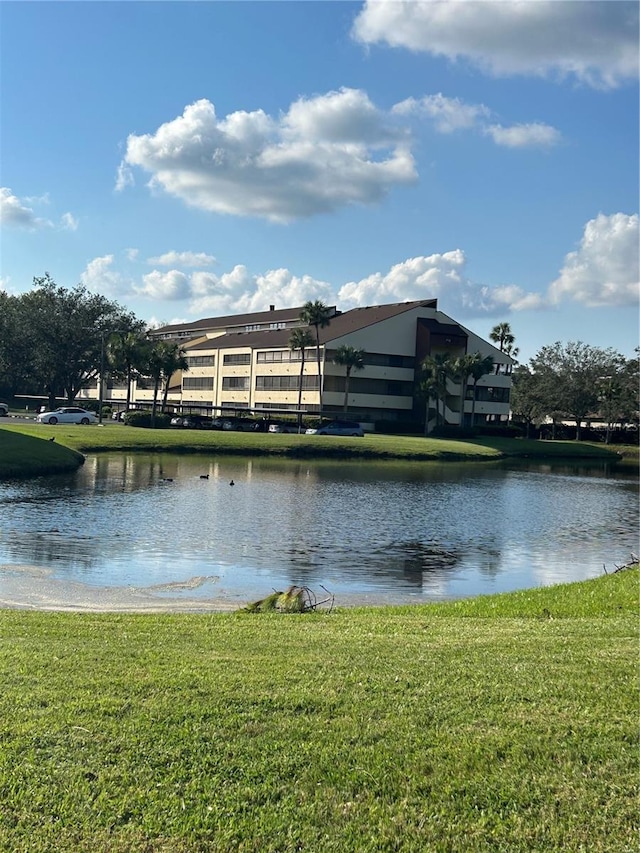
point(280, 315)
point(342, 324)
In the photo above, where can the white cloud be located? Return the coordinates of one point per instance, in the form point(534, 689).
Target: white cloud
point(448, 114)
point(604, 268)
point(239, 291)
point(132, 254)
point(452, 114)
point(124, 177)
point(324, 153)
point(14, 211)
point(69, 222)
point(172, 284)
point(594, 42)
point(438, 276)
point(524, 135)
point(101, 277)
point(185, 259)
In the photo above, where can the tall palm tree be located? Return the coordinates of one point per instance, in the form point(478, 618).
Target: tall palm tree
point(438, 369)
point(127, 354)
point(300, 340)
point(165, 358)
point(479, 368)
point(502, 335)
point(351, 359)
point(319, 315)
point(462, 368)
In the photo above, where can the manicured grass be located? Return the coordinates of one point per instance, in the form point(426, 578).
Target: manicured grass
point(504, 723)
point(115, 437)
point(33, 455)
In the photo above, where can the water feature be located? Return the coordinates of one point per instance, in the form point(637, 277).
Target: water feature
point(167, 530)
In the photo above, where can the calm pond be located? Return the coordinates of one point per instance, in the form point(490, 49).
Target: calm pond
point(153, 532)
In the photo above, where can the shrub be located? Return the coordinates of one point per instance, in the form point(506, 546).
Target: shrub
point(400, 427)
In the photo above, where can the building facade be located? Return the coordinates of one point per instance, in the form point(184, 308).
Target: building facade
point(244, 362)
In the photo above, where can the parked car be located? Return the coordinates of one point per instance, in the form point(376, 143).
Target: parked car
point(235, 423)
point(192, 422)
point(67, 415)
point(4, 410)
point(283, 427)
point(338, 428)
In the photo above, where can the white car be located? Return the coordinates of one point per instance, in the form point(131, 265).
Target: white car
point(67, 415)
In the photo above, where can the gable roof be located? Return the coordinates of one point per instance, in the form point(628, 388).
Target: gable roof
point(340, 325)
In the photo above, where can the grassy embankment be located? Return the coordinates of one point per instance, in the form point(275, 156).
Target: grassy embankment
point(506, 723)
point(25, 455)
point(116, 437)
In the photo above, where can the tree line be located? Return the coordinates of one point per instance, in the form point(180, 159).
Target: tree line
point(57, 341)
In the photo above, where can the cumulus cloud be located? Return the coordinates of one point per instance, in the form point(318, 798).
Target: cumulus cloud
point(172, 284)
point(239, 291)
point(604, 269)
point(594, 42)
point(101, 276)
point(184, 259)
point(324, 153)
point(524, 135)
point(438, 276)
point(16, 212)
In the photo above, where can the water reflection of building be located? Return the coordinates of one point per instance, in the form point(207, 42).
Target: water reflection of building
point(244, 362)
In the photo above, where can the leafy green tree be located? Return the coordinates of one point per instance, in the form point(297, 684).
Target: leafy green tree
point(502, 335)
point(66, 331)
point(527, 397)
point(351, 359)
point(618, 392)
point(318, 315)
point(463, 370)
point(572, 375)
point(299, 341)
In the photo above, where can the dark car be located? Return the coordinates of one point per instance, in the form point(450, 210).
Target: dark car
point(232, 422)
point(192, 422)
point(338, 428)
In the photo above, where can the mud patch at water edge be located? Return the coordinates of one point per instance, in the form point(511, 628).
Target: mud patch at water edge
point(191, 583)
point(32, 588)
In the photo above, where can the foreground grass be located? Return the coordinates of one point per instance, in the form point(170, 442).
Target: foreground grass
point(116, 437)
point(33, 455)
point(506, 723)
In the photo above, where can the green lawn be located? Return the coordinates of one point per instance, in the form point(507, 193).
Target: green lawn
point(116, 437)
point(35, 455)
point(505, 723)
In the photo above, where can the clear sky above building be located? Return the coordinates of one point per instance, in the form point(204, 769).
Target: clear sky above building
point(191, 159)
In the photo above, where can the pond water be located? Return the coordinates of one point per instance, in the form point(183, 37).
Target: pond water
point(167, 531)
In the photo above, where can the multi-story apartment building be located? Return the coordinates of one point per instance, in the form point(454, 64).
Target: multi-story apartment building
point(244, 362)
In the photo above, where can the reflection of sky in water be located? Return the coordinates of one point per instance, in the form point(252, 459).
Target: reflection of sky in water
point(417, 531)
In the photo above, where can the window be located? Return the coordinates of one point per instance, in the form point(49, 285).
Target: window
point(285, 355)
point(237, 358)
point(197, 383)
point(236, 383)
point(201, 360)
point(286, 383)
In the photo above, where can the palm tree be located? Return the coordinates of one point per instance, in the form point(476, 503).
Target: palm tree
point(438, 369)
point(319, 315)
point(351, 359)
point(300, 339)
point(479, 368)
point(164, 359)
point(462, 367)
point(127, 354)
point(503, 336)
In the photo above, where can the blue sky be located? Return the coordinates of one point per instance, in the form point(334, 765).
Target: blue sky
point(189, 159)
